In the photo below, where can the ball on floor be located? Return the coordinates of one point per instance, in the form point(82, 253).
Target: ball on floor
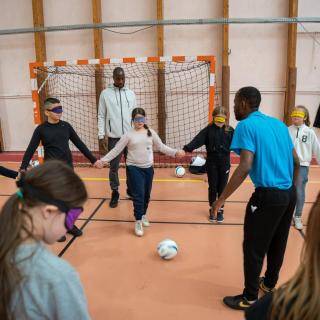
point(167, 249)
point(180, 171)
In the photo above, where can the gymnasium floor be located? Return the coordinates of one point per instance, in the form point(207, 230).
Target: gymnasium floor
point(125, 279)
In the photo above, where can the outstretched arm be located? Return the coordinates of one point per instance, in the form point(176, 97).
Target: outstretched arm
point(121, 144)
point(242, 171)
point(164, 148)
point(33, 145)
point(81, 146)
point(8, 172)
point(198, 141)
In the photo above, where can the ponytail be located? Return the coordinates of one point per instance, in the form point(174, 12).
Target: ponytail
point(147, 128)
point(12, 222)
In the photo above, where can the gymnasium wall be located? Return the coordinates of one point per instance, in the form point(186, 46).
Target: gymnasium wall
point(257, 52)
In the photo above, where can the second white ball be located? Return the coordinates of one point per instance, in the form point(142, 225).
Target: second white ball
point(180, 171)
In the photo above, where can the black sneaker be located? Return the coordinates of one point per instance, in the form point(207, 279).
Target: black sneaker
point(212, 217)
point(114, 199)
point(62, 239)
point(75, 231)
point(239, 302)
point(263, 287)
point(220, 217)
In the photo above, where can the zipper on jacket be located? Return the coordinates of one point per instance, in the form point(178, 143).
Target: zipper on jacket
point(110, 125)
point(297, 136)
point(121, 111)
point(128, 104)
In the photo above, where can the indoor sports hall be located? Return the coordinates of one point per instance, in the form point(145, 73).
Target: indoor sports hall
point(123, 276)
point(184, 64)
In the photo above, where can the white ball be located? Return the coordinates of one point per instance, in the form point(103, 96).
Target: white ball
point(167, 249)
point(35, 163)
point(180, 171)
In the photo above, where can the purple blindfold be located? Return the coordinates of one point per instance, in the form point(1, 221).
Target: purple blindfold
point(139, 119)
point(72, 214)
point(57, 109)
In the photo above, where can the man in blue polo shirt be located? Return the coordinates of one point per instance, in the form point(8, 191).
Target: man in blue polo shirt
point(267, 155)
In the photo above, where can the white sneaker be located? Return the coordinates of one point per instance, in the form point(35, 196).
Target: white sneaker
point(145, 221)
point(138, 228)
point(298, 223)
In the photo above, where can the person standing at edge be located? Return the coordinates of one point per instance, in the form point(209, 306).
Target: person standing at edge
point(267, 154)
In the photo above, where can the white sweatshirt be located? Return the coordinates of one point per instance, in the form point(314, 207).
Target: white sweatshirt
point(306, 144)
point(140, 148)
point(114, 113)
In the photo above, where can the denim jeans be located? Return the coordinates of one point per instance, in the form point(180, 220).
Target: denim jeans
point(301, 189)
point(140, 180)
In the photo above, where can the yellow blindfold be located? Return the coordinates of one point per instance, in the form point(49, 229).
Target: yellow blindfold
point(219, 119)
point(298, 114)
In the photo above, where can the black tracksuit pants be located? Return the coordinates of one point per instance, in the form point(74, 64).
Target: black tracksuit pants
point(218, 175)
point(266, 228)
point(114, 166)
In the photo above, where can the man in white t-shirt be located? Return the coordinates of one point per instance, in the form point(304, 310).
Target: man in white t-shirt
point(114, 120)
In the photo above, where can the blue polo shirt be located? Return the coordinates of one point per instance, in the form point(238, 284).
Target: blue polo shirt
point(268, 138)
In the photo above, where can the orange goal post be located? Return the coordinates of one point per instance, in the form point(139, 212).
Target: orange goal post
point(177, 92)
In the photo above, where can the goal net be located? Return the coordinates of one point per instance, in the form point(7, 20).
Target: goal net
point(177, 94)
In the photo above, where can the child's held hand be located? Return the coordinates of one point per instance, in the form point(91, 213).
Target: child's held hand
point(180, 153)
point(20, 173)
point(98, 164)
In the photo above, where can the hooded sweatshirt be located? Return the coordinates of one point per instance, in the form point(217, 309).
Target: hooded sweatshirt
point(114, 114)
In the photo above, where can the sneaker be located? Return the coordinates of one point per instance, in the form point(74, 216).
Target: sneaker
point(239, 302)
point(138, 228)
point(220, 217)
point(298, 223)
point(212, 217)
point(114, 199)
point(145, 221)
point(263, 287)
point(75, 231)
point(129, 196)
point(62, 239)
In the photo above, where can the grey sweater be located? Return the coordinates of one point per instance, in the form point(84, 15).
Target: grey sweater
point(140, 148)
point(50, 289)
